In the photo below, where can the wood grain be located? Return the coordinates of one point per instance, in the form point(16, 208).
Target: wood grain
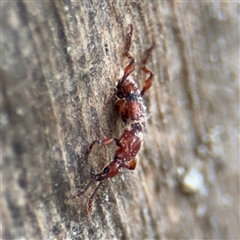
point(59, 64)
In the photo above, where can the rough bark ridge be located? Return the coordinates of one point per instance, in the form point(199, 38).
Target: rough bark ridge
point(59, 64)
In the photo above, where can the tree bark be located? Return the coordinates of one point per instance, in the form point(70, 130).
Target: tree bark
point(60, 61)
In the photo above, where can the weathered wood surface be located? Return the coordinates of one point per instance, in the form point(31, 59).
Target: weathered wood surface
point(59, 64)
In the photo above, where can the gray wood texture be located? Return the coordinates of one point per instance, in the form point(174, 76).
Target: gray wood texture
point(60, 61)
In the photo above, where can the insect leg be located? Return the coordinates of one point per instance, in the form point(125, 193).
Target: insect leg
point(147, 54)
point(148, 81)
point(104, 142)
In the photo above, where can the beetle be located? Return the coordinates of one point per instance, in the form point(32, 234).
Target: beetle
point(129, 103)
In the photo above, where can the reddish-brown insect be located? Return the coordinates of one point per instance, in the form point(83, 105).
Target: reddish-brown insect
point(129, 104)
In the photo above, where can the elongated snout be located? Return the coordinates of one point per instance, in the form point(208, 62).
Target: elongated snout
point(108, 172)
